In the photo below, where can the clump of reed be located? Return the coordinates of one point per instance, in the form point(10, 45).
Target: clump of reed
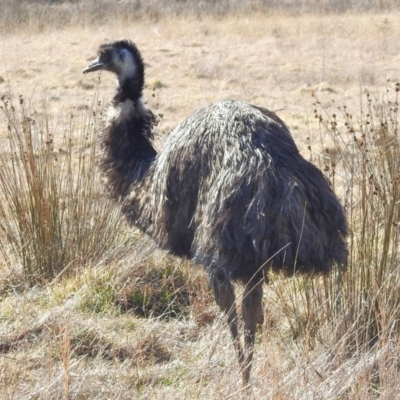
point(359, 308)
point(53, 216)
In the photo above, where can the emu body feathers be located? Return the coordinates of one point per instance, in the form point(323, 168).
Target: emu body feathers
point(231, 191)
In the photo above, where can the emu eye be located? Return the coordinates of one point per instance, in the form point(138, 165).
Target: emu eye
point(122, 55)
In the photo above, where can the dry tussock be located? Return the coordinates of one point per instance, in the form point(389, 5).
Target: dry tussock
point(80, 337)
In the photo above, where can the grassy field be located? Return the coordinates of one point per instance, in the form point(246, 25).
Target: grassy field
point(89, 309)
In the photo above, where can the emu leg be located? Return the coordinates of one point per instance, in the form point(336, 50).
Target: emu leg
point(225, 297)
point(251, 310)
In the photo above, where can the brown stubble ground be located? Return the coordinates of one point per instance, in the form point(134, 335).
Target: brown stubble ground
point(275, 61)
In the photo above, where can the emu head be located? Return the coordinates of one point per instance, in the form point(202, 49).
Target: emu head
point(124, 59)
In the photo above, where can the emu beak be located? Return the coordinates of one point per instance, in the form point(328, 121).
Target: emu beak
point(95, 65)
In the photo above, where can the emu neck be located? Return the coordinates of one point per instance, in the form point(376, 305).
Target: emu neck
point(129, 87)
point(128, 152)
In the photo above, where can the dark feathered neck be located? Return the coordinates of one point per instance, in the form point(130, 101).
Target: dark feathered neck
point(128, 151)
point(129, 88)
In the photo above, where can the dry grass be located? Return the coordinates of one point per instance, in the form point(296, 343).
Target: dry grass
point(44, 15)
point(53, 212)
point(138, 324)
point(276, 61)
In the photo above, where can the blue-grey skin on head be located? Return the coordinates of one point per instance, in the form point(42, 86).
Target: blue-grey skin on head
point(123, 58)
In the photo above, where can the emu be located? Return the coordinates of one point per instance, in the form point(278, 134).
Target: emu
point(229, 191)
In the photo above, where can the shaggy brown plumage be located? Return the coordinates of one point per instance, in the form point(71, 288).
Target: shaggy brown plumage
point(229, 190)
